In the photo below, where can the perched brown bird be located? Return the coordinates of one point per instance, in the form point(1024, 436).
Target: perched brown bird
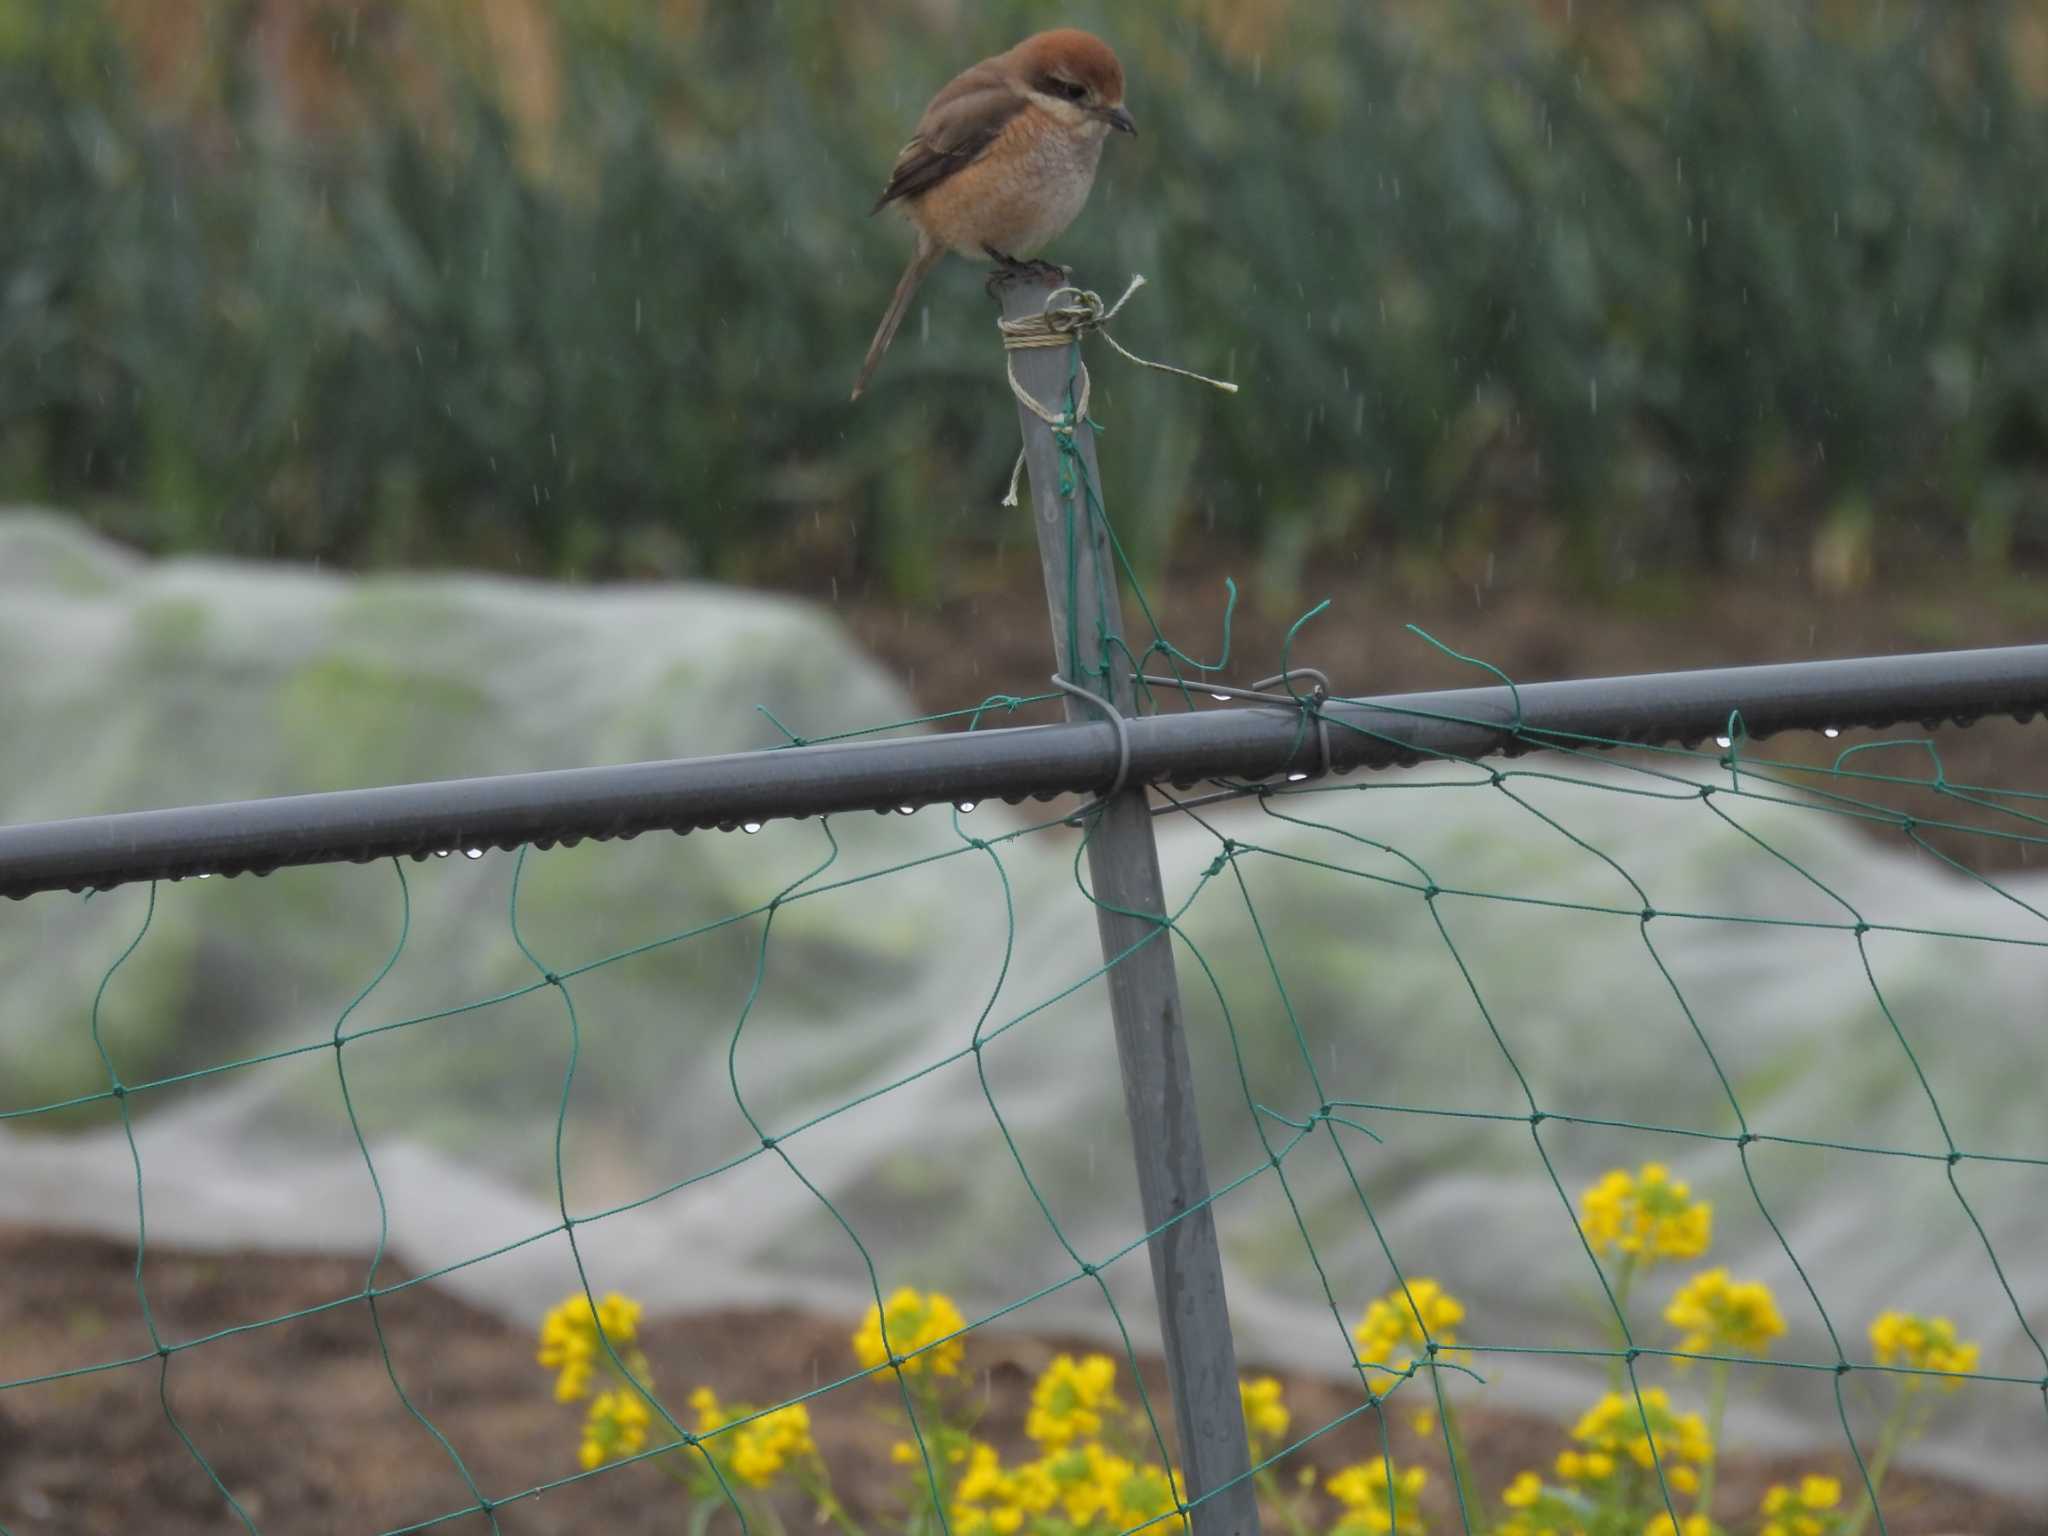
point(1003, 159)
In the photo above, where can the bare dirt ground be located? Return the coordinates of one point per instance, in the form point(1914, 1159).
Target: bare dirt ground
point(992, 638)
point(301, 1422)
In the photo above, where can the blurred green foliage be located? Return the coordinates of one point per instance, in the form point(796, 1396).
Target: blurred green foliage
point(580, 286)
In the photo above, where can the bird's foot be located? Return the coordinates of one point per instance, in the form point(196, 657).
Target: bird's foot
point(1009, 270)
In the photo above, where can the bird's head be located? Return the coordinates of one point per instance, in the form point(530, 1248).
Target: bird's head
point(1074, 76)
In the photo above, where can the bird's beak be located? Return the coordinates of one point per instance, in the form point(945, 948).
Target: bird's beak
point(1120, 120)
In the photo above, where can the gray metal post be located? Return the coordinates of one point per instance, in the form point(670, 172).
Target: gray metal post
point(1144, 996)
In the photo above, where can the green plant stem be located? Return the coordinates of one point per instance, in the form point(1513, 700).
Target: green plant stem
point(1717, 1409)
point(1623, 1281)
point(929, 1400)
point(1461, 1477)
point(817, 1483)
point(1287, 1506)
point(1889, 1438)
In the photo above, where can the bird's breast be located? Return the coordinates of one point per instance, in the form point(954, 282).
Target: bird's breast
point(1019, 196)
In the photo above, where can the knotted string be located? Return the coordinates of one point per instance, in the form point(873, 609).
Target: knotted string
point(1056, 325)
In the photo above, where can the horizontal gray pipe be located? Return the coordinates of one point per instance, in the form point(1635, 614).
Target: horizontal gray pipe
point(1247, 742)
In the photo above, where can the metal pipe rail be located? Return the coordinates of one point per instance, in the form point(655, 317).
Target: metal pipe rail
point(1013, 763)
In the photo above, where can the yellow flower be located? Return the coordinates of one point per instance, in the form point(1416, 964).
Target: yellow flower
point(1647, 1216)
point(1613, 1428)
point(756, 1450)
point(615, 1426)
point(1525, 1490)
point(1925, 1343)
point(1093, 1484)
point(1068, 1400)
point(704, 1403)
point(1362, 1490)
point(569, 1343)
point(1801, 1511)
point(1587, 1467)
point(915, 1321)
point(1265, 1414)
point(1544, 1516)
point(1399, 1324)
point(1818, 1492)
point(1720, 1315)
point(762, 1447)
point(1085, 1484)
point(983, 1475)
point(1661, 1524)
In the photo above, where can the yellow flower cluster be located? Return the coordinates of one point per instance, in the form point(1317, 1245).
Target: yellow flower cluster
point(1925, 1343)
point(1647, 1215)
point(1661, 1524)
point(1069, 1399)
point(990, 1498)
point(1612, 1429)
point(616, 1426)
point(1397, 1325)
point(915, 1321)
point(569, 1343)
point(1535, 1511)
point(1265, 1414)
point(1081, 1486)
point(1802, 1511)
point(1362, 1491)
point(754, 1452)
point(1529, 1522)
point(952, 1452)
point(1717, 1314)
point(1095, 1484)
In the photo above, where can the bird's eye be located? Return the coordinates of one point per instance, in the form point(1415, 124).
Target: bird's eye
point(1073, 90)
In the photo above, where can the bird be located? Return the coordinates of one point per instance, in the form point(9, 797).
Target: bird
point(1002, 160)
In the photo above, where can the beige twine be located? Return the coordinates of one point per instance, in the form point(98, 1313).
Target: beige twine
point(1057, 325)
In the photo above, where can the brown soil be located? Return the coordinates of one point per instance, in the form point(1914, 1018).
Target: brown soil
point(301, 1423)
point(990, 636)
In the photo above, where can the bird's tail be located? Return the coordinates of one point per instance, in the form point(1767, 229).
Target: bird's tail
point(922, 261)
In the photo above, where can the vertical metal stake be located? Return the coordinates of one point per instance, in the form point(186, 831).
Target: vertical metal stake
point(1144, 997)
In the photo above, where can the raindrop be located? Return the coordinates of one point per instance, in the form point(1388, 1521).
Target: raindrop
point(206, 876)
point(1296, 778)
point(472, 853)
point(906, 810)
point(442, 853)
point(1830, 731)
point(966, 807)
point(1220, 698)
point(750, 827)
point(1723, 741)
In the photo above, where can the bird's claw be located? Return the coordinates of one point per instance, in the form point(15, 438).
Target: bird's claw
point(1009, 270)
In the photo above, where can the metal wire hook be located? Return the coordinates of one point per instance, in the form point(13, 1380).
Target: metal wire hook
point(1123, 744)
point(1313, 704)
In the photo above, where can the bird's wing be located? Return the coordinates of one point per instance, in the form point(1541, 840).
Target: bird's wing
point(956, 129)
